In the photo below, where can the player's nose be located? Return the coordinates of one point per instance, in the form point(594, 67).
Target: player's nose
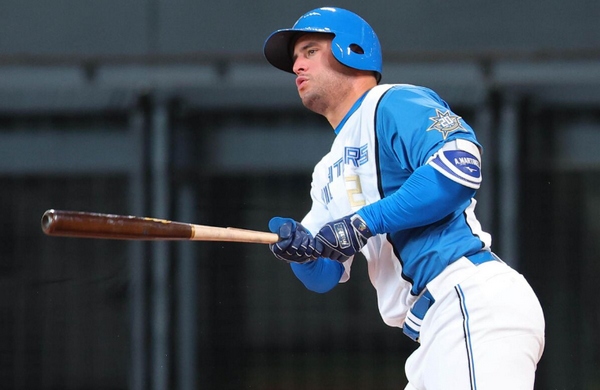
point(299, 66)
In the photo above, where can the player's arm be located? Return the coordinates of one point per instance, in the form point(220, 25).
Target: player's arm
point(438, 185)
point(320, 275)
point(433, 191)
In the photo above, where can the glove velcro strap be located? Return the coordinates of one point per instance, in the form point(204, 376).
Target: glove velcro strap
point(360, 226)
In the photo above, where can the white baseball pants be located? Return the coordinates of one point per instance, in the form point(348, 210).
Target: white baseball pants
point(485, 331)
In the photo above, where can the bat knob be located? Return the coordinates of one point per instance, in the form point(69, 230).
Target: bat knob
point(47, 221)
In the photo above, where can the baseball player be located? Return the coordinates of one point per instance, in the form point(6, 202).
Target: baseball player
point(398, 185)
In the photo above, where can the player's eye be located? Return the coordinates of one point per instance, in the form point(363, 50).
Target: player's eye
point(310, 52)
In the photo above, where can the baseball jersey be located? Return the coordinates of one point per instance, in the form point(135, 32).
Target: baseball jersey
point(389, 133)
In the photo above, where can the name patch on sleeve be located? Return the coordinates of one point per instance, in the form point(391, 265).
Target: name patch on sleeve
point(459, 166)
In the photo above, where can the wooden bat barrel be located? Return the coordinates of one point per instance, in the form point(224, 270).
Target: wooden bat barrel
point(111, 226)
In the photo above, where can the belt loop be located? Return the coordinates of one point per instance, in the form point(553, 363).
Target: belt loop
point(414, 317)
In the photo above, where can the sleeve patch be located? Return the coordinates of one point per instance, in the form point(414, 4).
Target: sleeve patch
point(446, 123)
point(459, 166)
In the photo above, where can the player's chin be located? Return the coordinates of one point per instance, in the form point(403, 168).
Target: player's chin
point(311, 101)
point(302, 92)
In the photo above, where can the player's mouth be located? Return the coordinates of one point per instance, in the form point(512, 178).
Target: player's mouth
point(300, 80)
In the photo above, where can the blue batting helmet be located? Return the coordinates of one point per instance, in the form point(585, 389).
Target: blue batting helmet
point(354, 44)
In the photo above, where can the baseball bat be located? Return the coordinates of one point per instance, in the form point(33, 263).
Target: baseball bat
point(126, 227)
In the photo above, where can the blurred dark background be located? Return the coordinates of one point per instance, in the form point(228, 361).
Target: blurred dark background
point(167, 109)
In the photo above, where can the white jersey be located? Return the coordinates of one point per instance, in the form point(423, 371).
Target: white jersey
point(351, 176)
point(357, 188)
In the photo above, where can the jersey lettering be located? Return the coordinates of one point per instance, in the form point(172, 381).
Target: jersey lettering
point(353, 156)
point(337, 168)
point(356, 156)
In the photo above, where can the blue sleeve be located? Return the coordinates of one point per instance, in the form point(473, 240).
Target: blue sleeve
point(414, 122)
point(426, 197)
point(320, 275)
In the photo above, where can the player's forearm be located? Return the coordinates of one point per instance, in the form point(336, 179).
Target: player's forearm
point(426, 197)
point(320, 275)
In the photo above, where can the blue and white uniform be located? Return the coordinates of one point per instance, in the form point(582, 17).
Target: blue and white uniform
point(399, 185)
point(410, 168)
point(388, 134)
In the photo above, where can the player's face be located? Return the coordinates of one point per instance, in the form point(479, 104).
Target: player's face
point(321, 80)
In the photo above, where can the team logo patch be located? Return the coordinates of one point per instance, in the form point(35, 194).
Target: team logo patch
point(446, 123)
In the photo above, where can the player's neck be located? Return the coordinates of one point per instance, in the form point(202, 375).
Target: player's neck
point(336, 113)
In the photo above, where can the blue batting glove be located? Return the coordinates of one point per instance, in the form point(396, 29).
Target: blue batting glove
point(343, 237)
point(295, 244)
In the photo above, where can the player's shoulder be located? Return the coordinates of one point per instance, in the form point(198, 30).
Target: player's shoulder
point(412, 95)
point(409, 102)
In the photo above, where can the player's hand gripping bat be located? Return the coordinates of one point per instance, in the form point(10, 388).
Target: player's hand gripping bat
point(125, 227)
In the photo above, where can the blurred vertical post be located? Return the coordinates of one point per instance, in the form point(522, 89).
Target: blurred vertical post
point(508, 158)
point(484, 128)
point(186, 299)
point(161, 311)
point(138, 308)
